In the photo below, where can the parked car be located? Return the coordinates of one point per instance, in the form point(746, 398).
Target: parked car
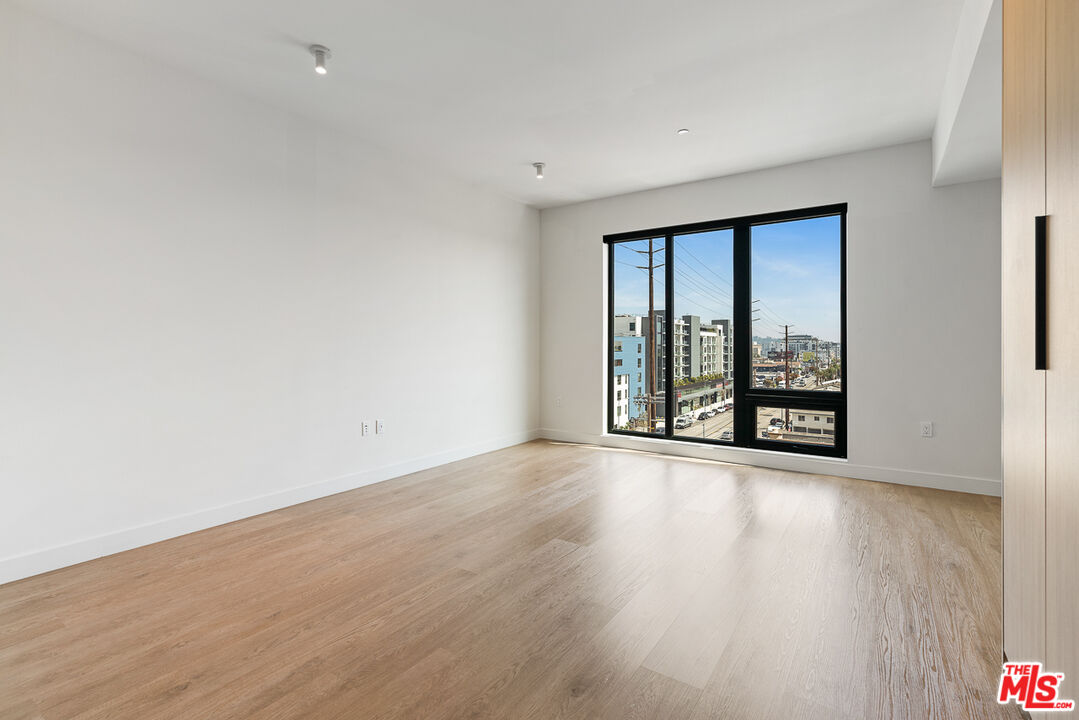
point(727, 435)
point(704, 415)
point(682, 422)
point(722, 409)
point(776, 422)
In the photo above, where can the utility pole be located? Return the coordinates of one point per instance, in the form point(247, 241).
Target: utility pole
point(753, 319)
point(787, 356)
point(787, 372)
point(816, 356)
point(650, 336)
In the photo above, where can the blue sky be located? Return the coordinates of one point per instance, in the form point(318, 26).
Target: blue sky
point(796, 275)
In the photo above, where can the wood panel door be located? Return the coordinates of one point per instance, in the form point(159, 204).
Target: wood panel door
point(1062, 403)
point(1022, 387)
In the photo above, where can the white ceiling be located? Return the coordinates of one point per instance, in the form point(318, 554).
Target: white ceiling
point(594, 88)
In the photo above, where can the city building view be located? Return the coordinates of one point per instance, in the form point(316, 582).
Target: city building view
point(703, 380)
point(701, 365)
point(796, 340)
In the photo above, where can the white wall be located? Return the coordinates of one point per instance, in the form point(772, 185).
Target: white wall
point(923, 311)
point(201, 297)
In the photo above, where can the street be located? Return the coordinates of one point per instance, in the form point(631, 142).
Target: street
point(714, 427)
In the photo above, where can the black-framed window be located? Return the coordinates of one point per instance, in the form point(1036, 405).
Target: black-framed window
point(732, 332)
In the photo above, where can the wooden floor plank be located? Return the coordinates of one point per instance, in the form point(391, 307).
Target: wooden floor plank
point(543, 581)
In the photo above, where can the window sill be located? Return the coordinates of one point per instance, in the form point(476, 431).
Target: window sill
point(694, 448)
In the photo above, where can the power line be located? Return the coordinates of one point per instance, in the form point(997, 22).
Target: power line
point(696, 286)
point(694, 302)
point(659, 283)
point(651, 252)
point(770, 311)
point(709, 288)
point(710, 311)
point(767, 309)
point(706, 266)
point(706, 281)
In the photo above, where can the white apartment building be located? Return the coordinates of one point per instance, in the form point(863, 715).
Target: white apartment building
point(711, 350)
point(621, 400)
point(812, 422)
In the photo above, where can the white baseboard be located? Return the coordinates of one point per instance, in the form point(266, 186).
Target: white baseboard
point(35, 563)
point(784, 461)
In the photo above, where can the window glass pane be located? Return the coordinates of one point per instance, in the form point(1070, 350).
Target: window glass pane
point(639, 295)
point(796, 305)
point(807, 427)
point(703, 343)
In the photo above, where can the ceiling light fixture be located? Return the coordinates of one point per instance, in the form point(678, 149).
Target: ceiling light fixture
point(321, 53)
point(539, 169)
point(684, 131)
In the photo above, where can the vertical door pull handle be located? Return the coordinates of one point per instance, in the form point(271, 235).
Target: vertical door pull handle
point(1039, 292)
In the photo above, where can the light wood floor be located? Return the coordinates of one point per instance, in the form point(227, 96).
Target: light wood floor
point(542, 581)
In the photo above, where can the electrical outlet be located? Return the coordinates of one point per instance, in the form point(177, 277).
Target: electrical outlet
point(380, 427)
point(927, 429)
point(365, 428)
